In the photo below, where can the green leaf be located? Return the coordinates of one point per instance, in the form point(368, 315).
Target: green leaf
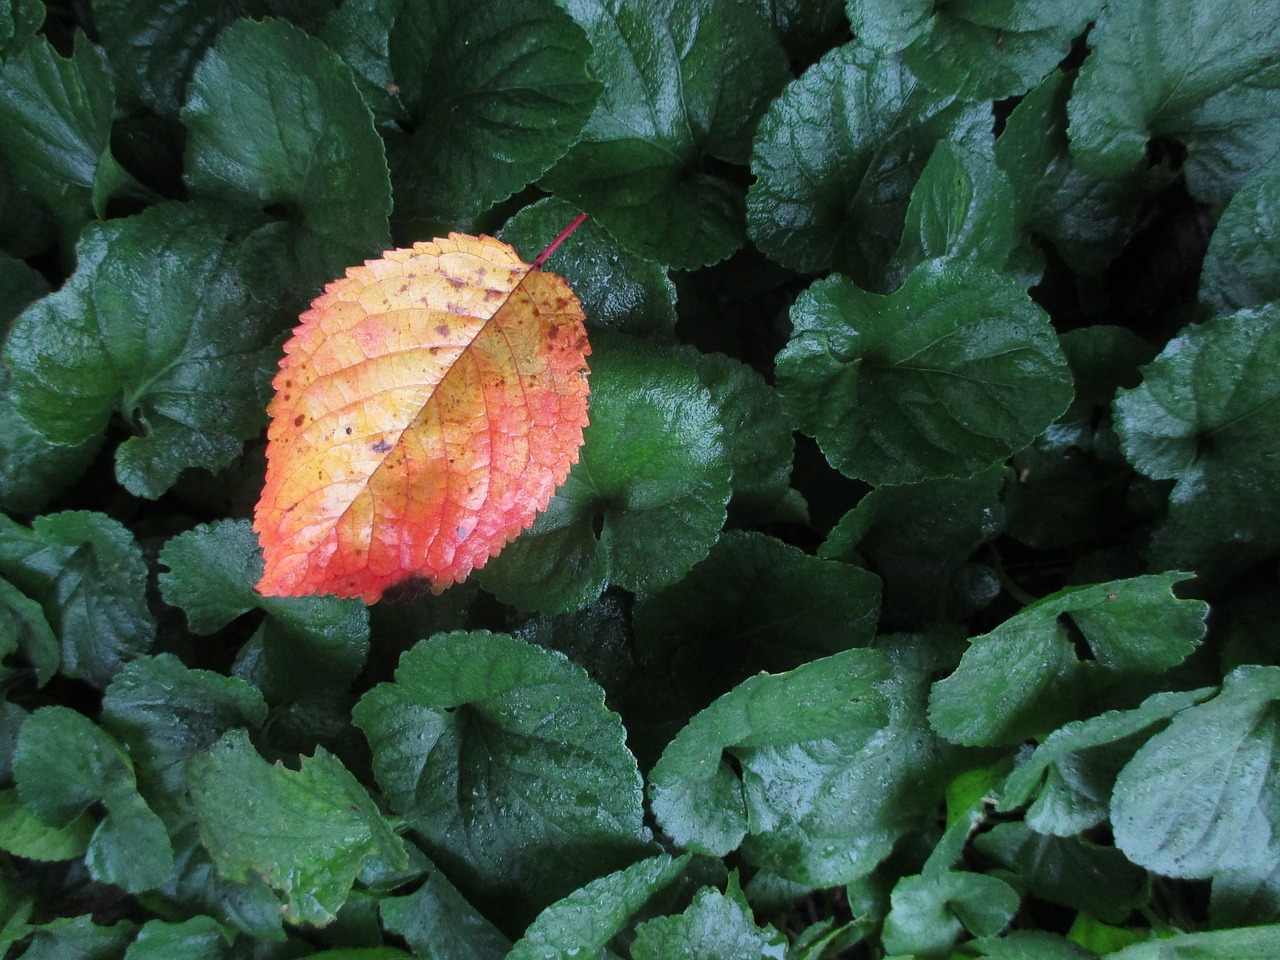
point(1213, 945)
point(1241, 898)
point(714, 927)
point(1067, 870)
point(684, 84)
point(55, 127)
point(504, 758)
point(25, 628)
point(18, 24)
point(801, 741)
point(618, 290)
point(928, 914)
point(1156, 75)
point(165, 713)
point(962, 207)
point(437, 921)
point(275, 123)
point(582, 923)
point(757, 437)
point(305, 832)
point(1203, 794)
point(24, 835)
point(1024, 677)
point(496, 92)
point(1031, 945)
point(1085, 217)
point(87, 573)
point(62, 765)
point(80, 938)
point(199, 938)
point(836, 157)
point(306, 645)
point(1079, 762)
point(954, 371)
point(155, 325)
point(916, 537)
point(646, 499)
point(755, 604)
point(359, 31)
point(1206, 416)
point(974, 49)
point(1242, 265)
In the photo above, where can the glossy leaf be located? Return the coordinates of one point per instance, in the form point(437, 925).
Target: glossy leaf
point(1242, 265)
point(955, 370)
point(275, 123)
point(646, 501)
point(1204, 416)
point(305, 831)
point(1156, 72)
point(684, 81)
point(156, 326)
point(495, 92)
point(836, 156)
point(1203, 794)
point(1251, 941)
point(1021, 678)
point(929, 913)
point(427, 406)
point(436, 921)
point(503, 757)
point(25, 835)
point(713, 927)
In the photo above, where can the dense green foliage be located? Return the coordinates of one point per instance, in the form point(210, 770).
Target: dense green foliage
point(915, 593)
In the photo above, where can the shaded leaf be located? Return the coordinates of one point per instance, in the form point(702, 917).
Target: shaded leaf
point(25, 835)
point(436, 921)
point(1242, 263)
point(713, 927)
point(427, 406)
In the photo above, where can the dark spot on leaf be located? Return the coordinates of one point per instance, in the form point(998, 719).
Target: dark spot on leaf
point(380, 447)
point(299, 420)
point(348, 431)
point(443, 329)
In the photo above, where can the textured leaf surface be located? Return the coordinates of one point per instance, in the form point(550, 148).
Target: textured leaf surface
point(930, 912)
point(503, 756)
point(427, 406)
point(1242, 266)
point(1203, 794)
point(305, 831)
point(714, 927)
point(1018, 679)
point(1202, 73)
point(684, 81)
point(438, 922)
point(1206, 415)
point(157, 326)
point(836, 156)
point(955, 370)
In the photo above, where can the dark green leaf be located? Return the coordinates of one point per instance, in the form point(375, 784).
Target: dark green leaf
point(55, 127)
point(24, 627)
point(974, 49)
point(156, 326)
point(714, 927)
point(1023, 677)
point(1242, 266)
point(305, 832)
point(199, 938)
point(754, 604)
point(62, 765)
point(496, 91)
point(962, 207)
point(24, 835)
point(618, 290)
point(1032, 945)
point(930, 913)
point(1157, 74)
point(306, 646)
point(801, 741)
point(19, 21)
point(684, 81)
point(1067, 870)
point(583, 922)
point(646, 499)
point(437, 922)
point(1085, 217)
point(504, 758)
point(916, 537)
point(954, 371)
point(275, 123)
point(80, 938)
point(360, 32)
point(1245, 897)
point(1206, 415)
point(1214, 945)
point(836, 157)
point(1079, 763)
point(87, 573)
point(164, 713)
point(1203, 794)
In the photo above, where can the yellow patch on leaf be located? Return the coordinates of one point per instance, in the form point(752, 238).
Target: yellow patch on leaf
point(428, 405)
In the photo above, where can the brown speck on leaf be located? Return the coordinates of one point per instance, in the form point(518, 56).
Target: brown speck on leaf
point(380, 447)
point(299, 420)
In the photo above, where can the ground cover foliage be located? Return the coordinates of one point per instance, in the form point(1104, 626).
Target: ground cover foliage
point(915, 593)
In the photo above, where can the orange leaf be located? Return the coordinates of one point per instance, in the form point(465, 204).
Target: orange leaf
point(427, 406)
